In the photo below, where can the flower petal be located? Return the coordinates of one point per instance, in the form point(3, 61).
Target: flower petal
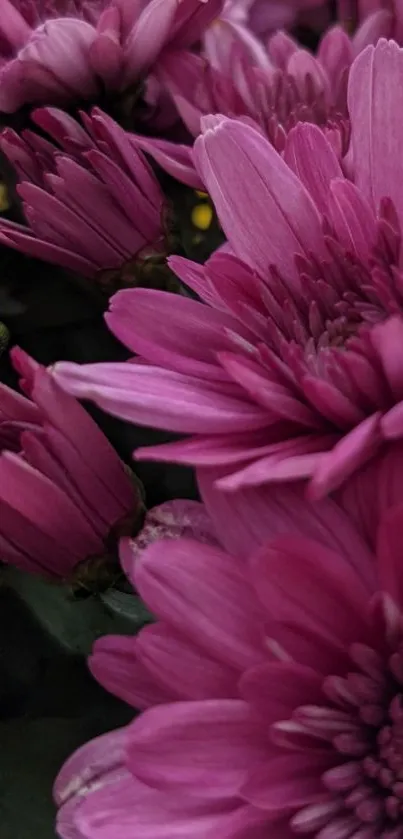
point(306, 143)
point(375, 99)
point(115, 665)
point(203, 748)
point(299, 581)
point(163, 327)
point(185, 583)
point(163, 399)
point(89, 762)
point(130, 808)
point(249, 184)
point(255, 515)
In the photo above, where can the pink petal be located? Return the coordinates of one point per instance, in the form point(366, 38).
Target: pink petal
point(247, 519)
point(174, 158)
point(348, 455)
point(90, 762)
point(277, 688)
point(185, 583)
point(280, 48)
point(106, 53)
point(392, 423)
point(115, 665)
point(331, 402)
point(265, 189)
point(148, 36)
point(379, 24)
point(195, 276)
point(192, 18)
point(307, 142)
point(299, 581)
point(387, 338)
point(352, 218)
point(277, 399)
point(389, 554)
point(375, 99)
point(182, 667)
point(15, 407)
point(273, 469)
point(166, 326)
point(214, 450)
point(160, 398)
point(14, 28)
point(373, 490)
point(38, 452)
point(63, 412)
point(287, 782)
point(302, 65)
point(26, 243)
point(46, 506)
point(118, 809)
point(206, 748)
point(39, 551)
point(335, 53)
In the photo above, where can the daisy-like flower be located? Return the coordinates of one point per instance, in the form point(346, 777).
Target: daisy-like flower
point(290, 367)
point(91, 201)
point(272, 680)
point(57, 52)
point(64, 493)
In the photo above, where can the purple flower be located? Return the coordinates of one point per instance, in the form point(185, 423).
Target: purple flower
point(91, 202)
point(271, 681)
point(63, 489)
point(66, 51)
point(290, 367)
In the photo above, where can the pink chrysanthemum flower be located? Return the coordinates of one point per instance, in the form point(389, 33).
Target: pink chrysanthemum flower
point(290, 367)
point(275, 87)
point(56, 52)
point(63, 489)
point(92, 202)
point(272, 681)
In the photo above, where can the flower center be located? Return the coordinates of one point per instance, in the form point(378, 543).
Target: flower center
point(363, 728)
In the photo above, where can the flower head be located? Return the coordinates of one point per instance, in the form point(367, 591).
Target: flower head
point(274, 87)
point(274, 97)
point(91, 202)
point(57, 52)
point(271, 682)
point(290, 367)
point(63, 490)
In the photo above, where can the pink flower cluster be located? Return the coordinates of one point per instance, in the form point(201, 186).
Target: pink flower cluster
point(270, 683)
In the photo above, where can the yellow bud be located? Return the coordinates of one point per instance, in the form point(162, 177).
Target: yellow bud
point(202, 216)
